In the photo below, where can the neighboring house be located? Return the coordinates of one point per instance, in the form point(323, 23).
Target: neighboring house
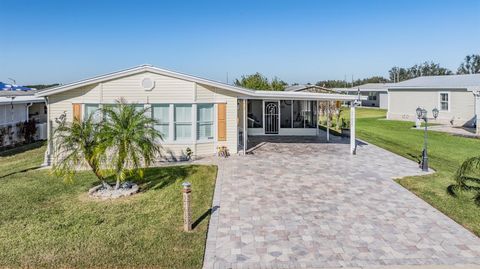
point(18, 105)
point(192, 112)
point(456, 96)
point(376, 94)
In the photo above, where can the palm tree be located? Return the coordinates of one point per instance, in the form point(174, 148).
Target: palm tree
point(464, 178)
point(77, 143)
point(129, 139)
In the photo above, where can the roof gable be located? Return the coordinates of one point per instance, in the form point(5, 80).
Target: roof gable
point(139, 70)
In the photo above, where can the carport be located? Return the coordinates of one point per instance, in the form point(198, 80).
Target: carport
point(295, 114)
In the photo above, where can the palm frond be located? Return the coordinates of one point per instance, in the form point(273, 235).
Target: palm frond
point(466, 180)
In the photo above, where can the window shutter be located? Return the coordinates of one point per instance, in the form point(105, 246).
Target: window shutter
point(222, 122)
point(77, 112)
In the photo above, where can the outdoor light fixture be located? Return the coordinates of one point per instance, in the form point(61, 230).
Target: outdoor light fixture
point(435, 113)
point(422, 115)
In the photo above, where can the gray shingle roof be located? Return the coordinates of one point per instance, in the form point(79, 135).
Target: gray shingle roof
point(7, 93)
point(450, 81)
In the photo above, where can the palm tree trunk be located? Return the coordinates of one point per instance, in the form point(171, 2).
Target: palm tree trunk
point(117, 185)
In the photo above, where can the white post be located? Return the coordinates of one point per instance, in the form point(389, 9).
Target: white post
point(353, 145)
point(245, 131)
point(328, 121)
point(476, 95)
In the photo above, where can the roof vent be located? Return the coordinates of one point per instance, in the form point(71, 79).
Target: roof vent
point(148, 84)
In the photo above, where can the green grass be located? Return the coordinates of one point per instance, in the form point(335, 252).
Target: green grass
point(446, 152)
point(47, 223)
point(21, 159)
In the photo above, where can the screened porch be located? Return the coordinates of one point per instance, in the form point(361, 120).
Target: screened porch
point(297, 118)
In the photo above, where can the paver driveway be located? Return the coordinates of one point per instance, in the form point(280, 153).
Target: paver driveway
point(296, 205)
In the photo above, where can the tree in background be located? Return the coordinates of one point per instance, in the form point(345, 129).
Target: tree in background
point(332, 84)
point(345, 84)
point(42, 86)
point(278, 84)
point(258, 81)
point(471, 65)
point(398, 74)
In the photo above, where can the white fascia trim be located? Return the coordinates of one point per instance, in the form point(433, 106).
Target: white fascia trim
point(249, 94)
point(428, 88)
point(273, 95)
point(139, 69)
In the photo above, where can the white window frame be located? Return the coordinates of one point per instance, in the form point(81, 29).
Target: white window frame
point(440, 101)
point(168, 123)
point(193, 114)
point(198, 122)
point(84, 109)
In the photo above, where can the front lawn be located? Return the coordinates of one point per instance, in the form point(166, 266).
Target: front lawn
point(446, 152)
point(45, 222)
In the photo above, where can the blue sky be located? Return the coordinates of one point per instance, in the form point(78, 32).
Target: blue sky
point(298, 41)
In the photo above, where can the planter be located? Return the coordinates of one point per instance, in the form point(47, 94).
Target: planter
point(107, 192)
point(346, 132)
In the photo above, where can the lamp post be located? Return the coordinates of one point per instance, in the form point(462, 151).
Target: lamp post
point(422, 115)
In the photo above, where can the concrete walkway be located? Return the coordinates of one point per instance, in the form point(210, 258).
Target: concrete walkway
point(458, 131)
point(312, 205)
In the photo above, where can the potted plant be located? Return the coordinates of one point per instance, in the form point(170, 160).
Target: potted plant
point(345, 127)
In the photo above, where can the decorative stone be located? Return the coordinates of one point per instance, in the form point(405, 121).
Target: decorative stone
point(105, 192)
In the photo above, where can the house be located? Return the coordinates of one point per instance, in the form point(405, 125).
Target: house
point(18, 105)
point(376, 94)
point(457, 97)
point(192, 112)
point(307, 88)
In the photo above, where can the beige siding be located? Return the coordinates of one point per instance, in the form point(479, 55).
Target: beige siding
point(403, 103)
point(166, 90)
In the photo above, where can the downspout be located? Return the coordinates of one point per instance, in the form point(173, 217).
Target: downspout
point(28, 111)
point(48, 152)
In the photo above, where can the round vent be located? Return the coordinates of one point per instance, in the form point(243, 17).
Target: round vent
point(148, 84)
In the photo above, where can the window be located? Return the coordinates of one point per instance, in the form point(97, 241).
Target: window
point(91, 109)
point(183, 122)
point(255, 114)
point(161, 113)
point(138, 107)
point(205, 122)
point(444, 101)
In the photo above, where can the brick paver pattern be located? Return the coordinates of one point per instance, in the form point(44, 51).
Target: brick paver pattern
point(313, 205)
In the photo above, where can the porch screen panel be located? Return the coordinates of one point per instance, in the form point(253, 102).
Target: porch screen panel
point(310, 114)
point(298, 115)
point(222, 122)
point(255, 114)
point(304, 114)
point(286, 113)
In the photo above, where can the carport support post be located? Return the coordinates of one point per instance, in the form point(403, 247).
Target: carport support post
point(353, 145)
point(245, 131)
point(476, 95)
point(328, 121)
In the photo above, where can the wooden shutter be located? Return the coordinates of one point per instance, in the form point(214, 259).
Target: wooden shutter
point(77, 112)
point(222, 122)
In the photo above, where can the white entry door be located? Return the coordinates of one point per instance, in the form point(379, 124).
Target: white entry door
point(271, 117)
